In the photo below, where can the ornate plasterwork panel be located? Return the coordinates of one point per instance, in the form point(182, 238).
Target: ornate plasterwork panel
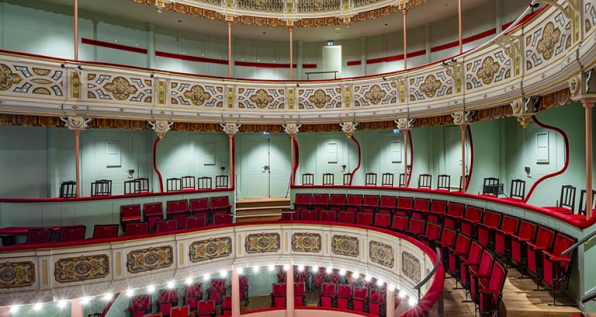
point(82, 268)
point(209, 249)
point(149, 259)
point(375, 94)
point(262, 243)
point(261, 98)
point(549, 41)
point(589, 16)
point(28, 79)
point(120, 88)
point(17, 274)
point(306, 242)
point(195, 95)
point(345, 245)
point(486, 70)
point(319, 98)
point(430, 86)
point(381, 253)
point(410, 267)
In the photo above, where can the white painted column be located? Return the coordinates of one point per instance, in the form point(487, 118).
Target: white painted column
point(291, 29)
point(405, 14)
point(76, 30)
point(235, 293)
point(290, 292)
point(229, 24)
point(151, 46)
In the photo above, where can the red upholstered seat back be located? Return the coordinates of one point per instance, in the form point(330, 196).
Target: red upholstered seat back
point(455, 209)
point(279, 289)
point(70, 234)
point(130, 213)
point(473, 213)
point(105, 231)
point(177, 206)
point(320, 199)
point(227, 302)
point(462, 243)
point(421, 204)
point(243, 281)
point(491, 218)
point(527, 230)
point(382, 220)
point(377, 296)
point(303, 198)
point(183, 311)
point(222, 219)
point(222, 201)
point(327, 215)
point(153, 209)
point(562, 243)
point(196, 222)
point(474, 253)
point(206, 306)
point(344, 290)
point(218, 285)
point(194, 290)
point(405, 202)
point(416, 226)
point(447, 237)
point(399, 223)
point(360, 293)
point(510, 224)
point(308, 214)
point(438, 206)
point(432, 231)
point(141, 302)
point(199, 204)
point(167, 225)
point(133, 229)
point(328, 289)
point(339, 199)
point(346, 216)
point(168, 295)
point(388, 201)
point(299, 288)
point(545, 237)
point(354, 200)
point(371, 200)
point(38, 236)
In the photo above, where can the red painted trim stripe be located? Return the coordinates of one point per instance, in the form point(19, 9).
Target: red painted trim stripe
point(354, 63)
point(411, 145)
point(395, 57)
point(155, 164)
point(469, 130)
point(465, 40)
point(263, 65)
point(306, 66)
point(114, 46)
point(296, 159)
point(359, 159)
point(191, 58)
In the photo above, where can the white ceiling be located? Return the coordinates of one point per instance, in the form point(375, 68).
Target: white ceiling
point(432, 10)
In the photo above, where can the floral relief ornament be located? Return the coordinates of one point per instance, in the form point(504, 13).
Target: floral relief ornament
point(404, 123)
point(550, 38)
point(462, 117)
point(430, 86)
point(349, 128)
point(319, 98)
point(197, 95)
point(488, 70)
point(291, 128)
point(375, 94)
point(161, 127)
point(8, 78)
point(230, 128)
point(120, 88)
point(76, 123)
point(261, 98)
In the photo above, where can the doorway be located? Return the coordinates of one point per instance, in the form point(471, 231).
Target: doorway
point(264, 167)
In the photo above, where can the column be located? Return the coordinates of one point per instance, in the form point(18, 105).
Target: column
point(235, 293)
point(461, 42)
point(161, 128)
point(77, 124)
point(463, 119)
point(499, 15)
point(229, 24)
point(291, 29)
point(363, 55)
point(290, 292)
point(406, 131)
point(300, 59)
point(292, 129)
point(76, 308)
point(231, 129)
point(405, 14)
point(76, 33)
point(390, 300)
point(588, 104)
point(151, 46)
point(427, 37)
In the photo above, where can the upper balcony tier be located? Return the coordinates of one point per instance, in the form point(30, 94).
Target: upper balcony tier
point(533, 58)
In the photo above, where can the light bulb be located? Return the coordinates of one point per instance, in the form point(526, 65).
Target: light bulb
point(300, 268)
point(342, 272)
point(37, 306)
point(286, 267)
point(85, 300)
point(380, 282)
point(61, 303)
point(391, 287)
point(401, 294)
point(206, 276)
point(130, 292)
point(171, 284)
point(328, 270)
point(368, 278)
point(412, 302)
point(240, 271)
point(355, 275)
point(315, 268)
point(223, 273)
point(108, 296)
point(14, 309)
point(271, 267)
point(255, 268)
point(150, 289)
point(188, 280)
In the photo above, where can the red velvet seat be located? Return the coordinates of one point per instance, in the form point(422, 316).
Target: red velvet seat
point(299, 294)
point(436, 211)
point(327, 215)
point(192, 295)
point(502, 236)
point(472, 216)
point(319, 277)
point(556, 268)
point(346, 216)
point(178, 210)
point(492, 292)
point(370, 204)
point(320, 201)
point(466, 260)
point(151, 213)
point(480, 274)
point(399, 223)
point(222, 219)
point(135, 229)
point(359, 298)
point(199, 207)
point(432, 232)
point(344, 295)
point(448, 236)
point(337, 202)
point(130, 213)
point(217, 290)
point(307, 214)
point(354, 202)
point(490, 221)
point(167, 225)
point(461, 248)
point(376, 302)
point(527, 232)
point(327, 295)
point(105, 231)
point(183, 311)
point(72, 233)
point(543, 242)
point(196, 222)
point(205, 308)
point(364, 218)
point(139, 305)
point(226, 308)
point(420, 209)
point(289, 215)
point(404, 204)
point(38, 236)
point(416, 226)
point(303, 201)
point(220, 205)
point(167, 299)
point(454, 213)
point(387, 204)
point(278, 296)
point(382, 220)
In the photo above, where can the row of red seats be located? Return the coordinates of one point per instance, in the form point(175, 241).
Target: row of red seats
point(206, 209)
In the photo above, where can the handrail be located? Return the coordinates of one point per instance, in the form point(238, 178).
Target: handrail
point(321, 72)
point(579, 242)
point(430, 274)
point(589, 297)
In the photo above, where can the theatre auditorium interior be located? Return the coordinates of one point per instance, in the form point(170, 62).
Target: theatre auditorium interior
point(297, 158)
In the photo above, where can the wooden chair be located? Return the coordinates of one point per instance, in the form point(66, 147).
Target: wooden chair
point(387, 179)
point(328, 179)
point(582, 203)
point(205, 182)
point(102, 187)
point(444, 182)
point(461, 185)
point(491, 187)
point(188, 182)
point(402, 180)
point(425, 181)
point(221, 181)
point(518, 189)
point(347, 178)
point(173, 184)
point(370, 179)
point(308, 179)
point(566, 201)
point(68, 189)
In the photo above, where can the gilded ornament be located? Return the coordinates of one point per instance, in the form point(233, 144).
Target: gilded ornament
point(319, 98)
point(197, 95)
point(8, 78)
point(17, 274)
point(262, 243)
point(149, 259)
point(261, 98)
point(209, 249)
point(306, 242)
point(410, 266)
point(375, 94)
point(430, 86)
point(488, 70)
point(120, 88)
point(550, 38)
point(81, 268)
point(345, 245)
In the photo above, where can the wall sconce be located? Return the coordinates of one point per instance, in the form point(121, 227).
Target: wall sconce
point(528, 170)
point(409, 168)
point(223, 170)
point(343, 168)
point(130, 173)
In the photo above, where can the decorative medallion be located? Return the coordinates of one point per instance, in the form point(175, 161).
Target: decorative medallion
point(430, 86)
point(161, 127)
point(197, 95)
point(349, 128)
point(306, 242)
point(213, 248)
point(375, 94)
point(149, 259)
point(261, 98)
point(381, 253)
point(319, 99)
point(410, 266)
point(8, 78)
point(344, 245)
point(262, 243)
point(17, 274)
point(550, 39)
point(488, 70)
point(82, 268)
point(120, 88)
point(291, 128)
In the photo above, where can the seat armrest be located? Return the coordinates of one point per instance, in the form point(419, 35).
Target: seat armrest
point(489, 291)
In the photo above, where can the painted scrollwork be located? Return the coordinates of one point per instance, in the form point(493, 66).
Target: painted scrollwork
point(161, 127)
point(261, 98)
point(319, 99)
point(76, 123)
point(262, 243)
point(381, 253)
point(430, 86)
point(8, 78)
point(345, 245)
point(349, 128)
point(213, 248)
point(17, 274)
point(375, 94)
point(410, 266)
point(120, 88)
point(488, 70)
point(197, 95)
point(306, 242)
point(82, 268)
point(150, 259)
point(550, 39)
